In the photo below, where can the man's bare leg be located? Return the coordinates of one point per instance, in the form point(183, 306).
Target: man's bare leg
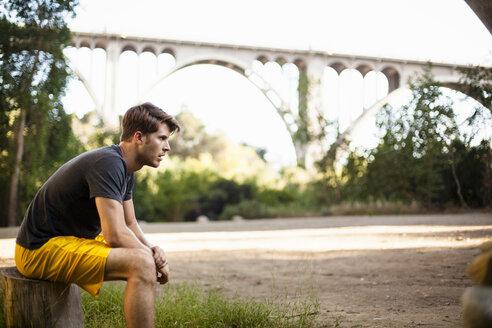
point(137, 267)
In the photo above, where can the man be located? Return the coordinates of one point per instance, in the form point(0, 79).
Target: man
point(59, 238)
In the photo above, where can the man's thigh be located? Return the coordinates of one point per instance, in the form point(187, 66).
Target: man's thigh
point(122, 263)
point(66, 259)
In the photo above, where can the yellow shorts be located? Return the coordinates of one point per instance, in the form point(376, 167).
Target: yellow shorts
point(66, 259)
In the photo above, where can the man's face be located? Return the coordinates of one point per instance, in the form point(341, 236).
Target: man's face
point(155, 146)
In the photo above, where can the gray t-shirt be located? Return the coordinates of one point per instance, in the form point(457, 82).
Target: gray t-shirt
point(65, 204)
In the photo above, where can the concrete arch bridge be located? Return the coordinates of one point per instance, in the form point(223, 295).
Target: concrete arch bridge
point(295, 88)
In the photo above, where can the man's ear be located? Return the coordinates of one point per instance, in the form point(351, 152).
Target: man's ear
point(138, 137)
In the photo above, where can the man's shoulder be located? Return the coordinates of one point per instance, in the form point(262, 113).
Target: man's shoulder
point(104, 157)
point(113, 150)
point(103, 153)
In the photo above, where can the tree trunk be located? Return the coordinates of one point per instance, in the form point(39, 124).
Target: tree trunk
point(14, 181)
point(456, 180)
point(300, 150)
point(338, 187)
point(40, 303)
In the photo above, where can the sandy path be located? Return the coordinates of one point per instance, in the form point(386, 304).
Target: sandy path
point(384, 271)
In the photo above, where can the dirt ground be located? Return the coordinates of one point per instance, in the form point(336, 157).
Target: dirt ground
point(372, 271)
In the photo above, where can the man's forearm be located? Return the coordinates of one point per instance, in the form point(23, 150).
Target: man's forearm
point(126, 238)
point(157, 252)
point(137, 231)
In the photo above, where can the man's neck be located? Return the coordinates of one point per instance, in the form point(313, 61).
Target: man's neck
point(130, 156)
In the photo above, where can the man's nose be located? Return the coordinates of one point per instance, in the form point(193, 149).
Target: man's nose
point(166, 147)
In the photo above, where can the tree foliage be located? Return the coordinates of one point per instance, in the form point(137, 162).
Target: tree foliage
point(421, 156)
point(194, 140)
point(476, 82)
point(35, 132)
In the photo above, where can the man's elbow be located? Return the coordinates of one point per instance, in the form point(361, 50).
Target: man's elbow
point(114, 240)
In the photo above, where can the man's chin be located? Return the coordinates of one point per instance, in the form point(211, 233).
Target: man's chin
point(154, 164)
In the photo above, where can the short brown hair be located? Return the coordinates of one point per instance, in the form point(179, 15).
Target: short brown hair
point(146, 119)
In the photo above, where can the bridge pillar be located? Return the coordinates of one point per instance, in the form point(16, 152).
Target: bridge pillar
point(314, 149)
point(108, 110)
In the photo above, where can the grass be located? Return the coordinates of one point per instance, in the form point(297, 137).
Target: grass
point(253, 209)
point(187, 305)
point(397, 208)
point(377, 208)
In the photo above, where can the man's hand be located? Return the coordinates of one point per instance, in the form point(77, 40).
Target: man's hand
point(162, 267)
point(159, 257)
point(163, 274)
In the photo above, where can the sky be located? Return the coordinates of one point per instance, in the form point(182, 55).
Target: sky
point(437, 30)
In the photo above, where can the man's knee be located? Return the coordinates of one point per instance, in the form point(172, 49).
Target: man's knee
point(130, 263)
point(143, 266)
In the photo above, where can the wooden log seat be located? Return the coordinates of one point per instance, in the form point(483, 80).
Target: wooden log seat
point(39, 303)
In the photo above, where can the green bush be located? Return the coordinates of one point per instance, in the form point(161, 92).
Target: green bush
point(249, 209)
point(275, 197)
point(224, 193)
point(170, 194)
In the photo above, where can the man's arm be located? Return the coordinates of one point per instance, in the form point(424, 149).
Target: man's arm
point(131, 222)
point(118, 234)
point(114, 228)
point(160, 258)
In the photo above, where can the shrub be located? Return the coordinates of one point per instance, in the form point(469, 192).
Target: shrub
point(249, 209)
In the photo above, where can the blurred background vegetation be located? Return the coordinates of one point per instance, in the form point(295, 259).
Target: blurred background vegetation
point(423, 162)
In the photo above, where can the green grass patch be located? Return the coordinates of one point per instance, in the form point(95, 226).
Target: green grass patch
point(187, 305)
point(377, 208)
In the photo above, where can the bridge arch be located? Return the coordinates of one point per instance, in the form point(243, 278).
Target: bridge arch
point(239, 58)
point(168, 51)
point(339, 67)
point(452, 84)
point(364, 69)
point(262, 59)
point(129, 47)
point(393, 77)
point(83, 78)
point(87, 43)
point(342, 142)
point(150, 49)
point(281, 60)
point(280, 105)
point(100, 45)
point(300, 63)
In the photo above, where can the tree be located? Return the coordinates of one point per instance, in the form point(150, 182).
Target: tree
point(476, 82)
point(33, 75)
point(432, 128)
point(193, 139)
point(390, 171)
point(354, 175)
point(423, 157)
point(473, 168)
